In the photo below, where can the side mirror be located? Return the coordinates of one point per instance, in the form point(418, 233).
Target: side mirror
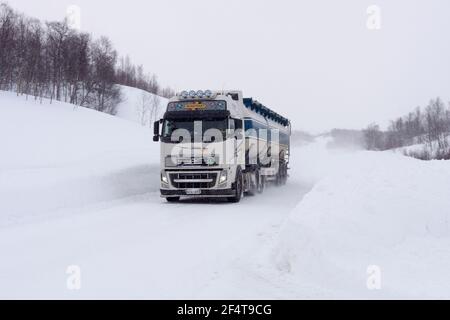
point(156, 135)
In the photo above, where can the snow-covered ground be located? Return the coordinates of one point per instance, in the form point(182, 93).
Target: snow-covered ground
point(371, 216)
point(80, 188)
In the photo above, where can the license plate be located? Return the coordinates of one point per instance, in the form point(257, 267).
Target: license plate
point(193, 192)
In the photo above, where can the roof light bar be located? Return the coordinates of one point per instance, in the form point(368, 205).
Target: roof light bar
point(192, 94)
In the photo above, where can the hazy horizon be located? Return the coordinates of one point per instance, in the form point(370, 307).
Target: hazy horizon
point(315, 62)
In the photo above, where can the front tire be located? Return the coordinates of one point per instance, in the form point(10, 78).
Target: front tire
point(173, 199)
point(238, 190)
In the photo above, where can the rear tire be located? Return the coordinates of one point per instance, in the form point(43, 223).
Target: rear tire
point(173, 199)
point(278, 177)
point(261, 182)
point(284, 176)
point(281, 177)
point(239, 188)
point(253, 185)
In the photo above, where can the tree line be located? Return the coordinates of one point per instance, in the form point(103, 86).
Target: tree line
point(429, 126)
point(128, 74)
point(51, 60)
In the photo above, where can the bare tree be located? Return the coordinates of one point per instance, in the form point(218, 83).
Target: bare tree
point(144, 108)
point(431, 126)
point(155, 106)
point(148, 108)
point(436, 124)
point(104, 59)
point(167, 93)
point(53, 61)
point(373, 137)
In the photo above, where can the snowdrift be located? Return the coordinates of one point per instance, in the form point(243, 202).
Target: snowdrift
point(426, 151)
point(369, 209)
point(60, 156)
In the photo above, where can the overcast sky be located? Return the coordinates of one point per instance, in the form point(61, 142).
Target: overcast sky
point(314, 61)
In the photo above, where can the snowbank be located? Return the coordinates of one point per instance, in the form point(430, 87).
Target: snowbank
point(369, 209)
point(426, 151)
point(58, 156)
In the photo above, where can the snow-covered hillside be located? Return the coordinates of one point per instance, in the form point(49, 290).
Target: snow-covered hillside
point(57, 156)
point(140, 106)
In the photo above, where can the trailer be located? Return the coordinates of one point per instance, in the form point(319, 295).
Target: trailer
point(219, 144)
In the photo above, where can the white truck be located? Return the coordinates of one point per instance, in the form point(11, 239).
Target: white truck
point(218, 144)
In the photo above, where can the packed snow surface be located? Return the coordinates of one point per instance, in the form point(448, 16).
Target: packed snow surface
point(80, 188)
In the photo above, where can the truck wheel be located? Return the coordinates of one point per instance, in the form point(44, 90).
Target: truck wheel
point(285, 175)
point(173, 199)
point(253, 187)
point(278, 178)
point(260, 186)
point(238, 190)
point(281, 177)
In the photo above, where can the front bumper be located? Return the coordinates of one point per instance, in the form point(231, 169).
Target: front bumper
point(209, 193)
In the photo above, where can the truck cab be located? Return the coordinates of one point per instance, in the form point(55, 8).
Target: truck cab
point(218, 144)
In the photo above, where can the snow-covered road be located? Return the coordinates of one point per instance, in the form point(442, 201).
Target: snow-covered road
point(142, 247)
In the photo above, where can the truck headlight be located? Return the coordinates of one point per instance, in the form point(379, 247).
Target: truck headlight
point(164, 178)
point(223, 177)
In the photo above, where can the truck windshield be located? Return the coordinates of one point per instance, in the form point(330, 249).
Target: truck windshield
point(170, 126)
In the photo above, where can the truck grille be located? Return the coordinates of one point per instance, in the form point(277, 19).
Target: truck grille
point(193, 180)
